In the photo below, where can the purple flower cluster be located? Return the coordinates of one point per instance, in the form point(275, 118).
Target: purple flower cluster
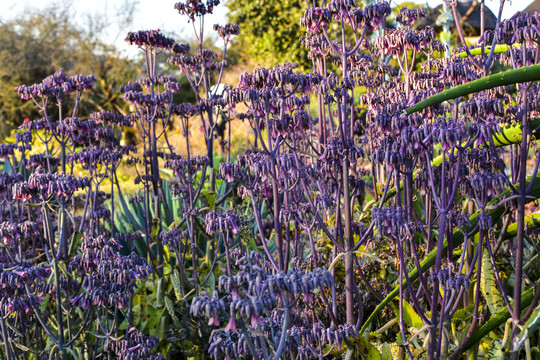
point(7, 150)
point(16, 278)
point(252, 298)
point(316, 19)
point(90, 158)
point(57, 85)
point(110, 118)
point(231, 172)
point(390, 221)
point(227, 30)
point(46, 186)
point(519, 29)
point(399, 40)
point(42, 160)
point(180, 49)
point(150, 39)
point(187, 165)
point(134, 346)
point(110, 277)
point(254, 293)
point(301, 340)
point(10, 231)
point(408, 17)
point(222, 222)
point(449, 281)
point(196, 8)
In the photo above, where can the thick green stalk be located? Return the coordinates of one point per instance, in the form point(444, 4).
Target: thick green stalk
point(523, 74)
point(495, 321)
point(457, 240)
point(510, 134)
point(478, 51)
point(531, 220)
point(518, 243)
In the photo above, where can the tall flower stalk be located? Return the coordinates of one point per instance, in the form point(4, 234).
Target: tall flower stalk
point(381, 208)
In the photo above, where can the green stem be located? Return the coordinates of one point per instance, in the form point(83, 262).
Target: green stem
point(510, 134)
point(495, 321)
point(478, 51)
point(510, 77)
point(457, 240)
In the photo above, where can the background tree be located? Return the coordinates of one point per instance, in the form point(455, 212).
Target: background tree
point(270, 30)
point(37, 43)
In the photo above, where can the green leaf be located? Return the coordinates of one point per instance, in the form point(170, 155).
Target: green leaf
point(530, 328)
point(494, 351)
point(126, 210)
point(170, 308)
point(210, 197)
point(252, 244)
point(154, 316)
point(158, 291)
point(44, 303)
point(20, 346)
point(495, 321)
point(488, 285)
point(168, 201)
point(496, 211)
point(163, 325)
point(389, 351)
point(140, 246)
point(175, 279)
point(410, 317)
point(534, 321)
point(465, 313)
point(211, 283)
point(72, 353)
point(166, 254)
point(143, 325)
point(119, 223)
point(155, 228)
point(364, 350)
point(53, 351)
point(74, 242)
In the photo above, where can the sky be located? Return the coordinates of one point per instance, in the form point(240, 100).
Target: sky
point(149, 14)
point(160, 14)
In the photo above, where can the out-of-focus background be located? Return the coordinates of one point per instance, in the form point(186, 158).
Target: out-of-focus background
point(87, 37)
point(160, 14)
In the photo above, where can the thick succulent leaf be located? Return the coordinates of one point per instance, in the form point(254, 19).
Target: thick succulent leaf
point(410, 317)
point(531, 326)
point(495, 322)
point(496, 211)
point(489, 287)
point(510, 77)
point(494, 351)
point(363, 350)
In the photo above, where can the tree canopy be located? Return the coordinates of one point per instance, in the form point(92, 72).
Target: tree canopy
point(270, 30)
point(36, 44)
